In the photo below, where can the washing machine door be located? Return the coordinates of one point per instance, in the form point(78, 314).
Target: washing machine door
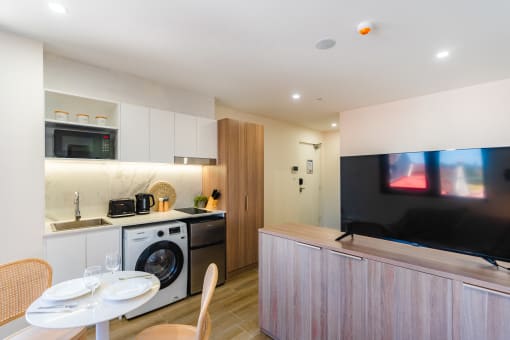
point(163, 259)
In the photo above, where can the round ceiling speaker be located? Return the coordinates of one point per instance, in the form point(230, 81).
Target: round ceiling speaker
point(325, 44)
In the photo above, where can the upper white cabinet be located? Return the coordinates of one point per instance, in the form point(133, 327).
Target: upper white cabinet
point(161, 130)
point(134, 133)
point(185, 135)
point(146, 135)
point(195, 136)
point(207, 138)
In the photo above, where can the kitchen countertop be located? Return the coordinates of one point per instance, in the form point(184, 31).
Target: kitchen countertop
point(119, 222)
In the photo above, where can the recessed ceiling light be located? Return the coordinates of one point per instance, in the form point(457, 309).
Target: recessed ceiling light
point(333, 124)
point(325, 44)
point(296, 96)
point(57, 7)
point(442, 54)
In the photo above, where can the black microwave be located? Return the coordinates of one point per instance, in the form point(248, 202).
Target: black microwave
point(80, 143)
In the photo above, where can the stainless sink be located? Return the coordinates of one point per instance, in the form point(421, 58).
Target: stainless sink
point(92, 222)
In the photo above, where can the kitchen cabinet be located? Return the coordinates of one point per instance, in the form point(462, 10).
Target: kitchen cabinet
point(134, 133)
point(71, 253)
point(407, 304)
point(380, 291)
point(195, 136)
point(290, 289)
point(161, 146)
point(67, 256)
point(484, 314)
point(146, 134)
point(239, 176)
point(346, 279)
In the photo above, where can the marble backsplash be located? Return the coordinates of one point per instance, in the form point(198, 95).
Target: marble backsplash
point(99, 181)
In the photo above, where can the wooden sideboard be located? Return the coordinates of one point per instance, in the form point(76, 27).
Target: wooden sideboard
point(312, 287)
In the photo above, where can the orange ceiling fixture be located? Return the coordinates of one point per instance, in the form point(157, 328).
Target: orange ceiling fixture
point(365, 27)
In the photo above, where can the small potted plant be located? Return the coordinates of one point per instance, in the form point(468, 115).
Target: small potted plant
point(200, 201)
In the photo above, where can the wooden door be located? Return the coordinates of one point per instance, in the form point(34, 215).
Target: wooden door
point(276, 286)
point(407, 304)
point(230, 148)
point(253, 184)
point(485, 314)
point(346, 296)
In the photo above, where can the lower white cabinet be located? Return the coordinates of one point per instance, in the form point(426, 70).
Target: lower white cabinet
point(70, 254)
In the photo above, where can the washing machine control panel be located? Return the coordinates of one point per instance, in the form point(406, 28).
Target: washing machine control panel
point(174, 230)
point(161, 233)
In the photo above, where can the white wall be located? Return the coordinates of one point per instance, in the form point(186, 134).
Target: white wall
point(74, 77)
point(476, 116)
point(22, 150)
point(281, 151)
point(330, 195)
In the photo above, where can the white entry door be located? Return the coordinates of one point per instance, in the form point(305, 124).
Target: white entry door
point(309, 195)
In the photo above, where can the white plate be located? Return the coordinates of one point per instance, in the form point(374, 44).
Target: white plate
point(66, 290)
point(127, 289)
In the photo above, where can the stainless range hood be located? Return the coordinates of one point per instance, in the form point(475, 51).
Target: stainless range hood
point(194, 161)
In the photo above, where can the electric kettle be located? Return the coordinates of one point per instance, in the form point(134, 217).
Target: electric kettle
point(143, 203)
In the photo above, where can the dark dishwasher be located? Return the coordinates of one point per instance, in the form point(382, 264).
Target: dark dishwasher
point(206, 244)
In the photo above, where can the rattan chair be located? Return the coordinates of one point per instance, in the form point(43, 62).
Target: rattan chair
point(22, 282)
point(178, 332)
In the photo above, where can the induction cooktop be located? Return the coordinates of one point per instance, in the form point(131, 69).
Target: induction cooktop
point(192, 211)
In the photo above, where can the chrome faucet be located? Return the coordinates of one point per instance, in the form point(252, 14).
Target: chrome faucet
point(77, 214)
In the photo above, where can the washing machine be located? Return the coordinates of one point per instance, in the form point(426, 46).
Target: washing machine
point(160, 249)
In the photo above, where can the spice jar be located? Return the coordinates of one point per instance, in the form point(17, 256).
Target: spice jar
point(161, 205)
point(61, 115)
point(101, 120)
point(82, 118)
point(166, 204)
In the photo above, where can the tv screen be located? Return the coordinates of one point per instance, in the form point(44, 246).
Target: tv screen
point(457, 200)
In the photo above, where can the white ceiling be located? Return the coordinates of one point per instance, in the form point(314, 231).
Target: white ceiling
point(252, 55)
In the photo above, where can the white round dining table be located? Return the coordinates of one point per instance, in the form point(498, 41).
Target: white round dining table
point(78, 312)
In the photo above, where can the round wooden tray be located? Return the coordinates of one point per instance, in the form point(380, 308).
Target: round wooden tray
point(163, 189)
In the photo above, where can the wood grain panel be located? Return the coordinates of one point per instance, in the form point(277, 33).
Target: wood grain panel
point(346, 296)
point(407, 304)
point(276, 286)
point(468, 269)
point(254, 177)
point(239, 176)
point(485, 314)
point(307, 312)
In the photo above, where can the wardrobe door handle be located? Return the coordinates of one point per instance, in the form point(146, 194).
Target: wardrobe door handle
point(245, 202)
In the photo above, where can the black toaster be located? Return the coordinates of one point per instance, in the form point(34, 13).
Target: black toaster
point(121, 207)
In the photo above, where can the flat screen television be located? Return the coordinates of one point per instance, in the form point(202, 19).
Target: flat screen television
point(456, 200)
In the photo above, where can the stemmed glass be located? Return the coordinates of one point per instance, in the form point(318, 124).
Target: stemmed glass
point(112, 261)
point(92, 280)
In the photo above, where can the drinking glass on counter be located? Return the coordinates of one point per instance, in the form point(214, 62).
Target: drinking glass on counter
point(112, 261)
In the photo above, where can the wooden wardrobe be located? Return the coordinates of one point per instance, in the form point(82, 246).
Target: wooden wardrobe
point(239, 176)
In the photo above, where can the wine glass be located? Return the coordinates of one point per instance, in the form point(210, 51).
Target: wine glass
point(91, 280)
point(112, 261)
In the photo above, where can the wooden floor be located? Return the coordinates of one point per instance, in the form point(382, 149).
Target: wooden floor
point(234, 312)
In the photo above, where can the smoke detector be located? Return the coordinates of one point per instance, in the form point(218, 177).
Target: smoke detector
point(365, 27)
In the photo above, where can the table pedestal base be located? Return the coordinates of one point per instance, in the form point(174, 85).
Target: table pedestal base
point(103, 330)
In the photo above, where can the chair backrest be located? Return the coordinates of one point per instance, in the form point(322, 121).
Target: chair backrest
point(204, 320)
point(21, 282)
